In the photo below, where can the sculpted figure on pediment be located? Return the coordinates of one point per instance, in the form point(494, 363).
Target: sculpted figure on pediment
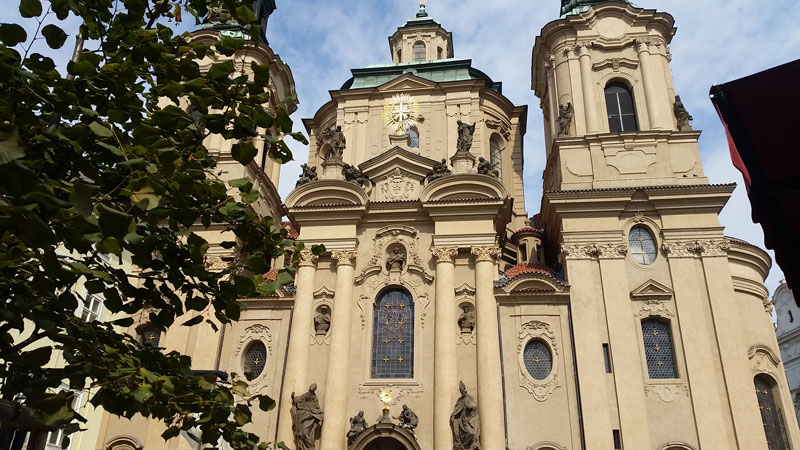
point(465, 134)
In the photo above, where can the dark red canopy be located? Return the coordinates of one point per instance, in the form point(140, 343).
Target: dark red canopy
point(761, 118)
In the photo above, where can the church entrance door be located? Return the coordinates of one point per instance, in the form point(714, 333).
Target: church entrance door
point(386, 443)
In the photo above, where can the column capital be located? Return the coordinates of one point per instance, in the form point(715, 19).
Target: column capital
point(489, 254)
point(599, 250)
point(307, 258)
point(345, 257)
point(445, 254)
point(583, 47)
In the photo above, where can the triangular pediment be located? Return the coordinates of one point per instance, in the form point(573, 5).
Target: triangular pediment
point(395, 159)
point(651, 290)
point(407, 82)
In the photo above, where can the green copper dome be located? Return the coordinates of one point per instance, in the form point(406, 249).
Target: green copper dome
point(569, 7)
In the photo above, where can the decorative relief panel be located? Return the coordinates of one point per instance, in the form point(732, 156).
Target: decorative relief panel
point(762, 360)
point(594, 250)
point(397, 186)
point(686, 249)
point(653, 308)
point(500, 126)
point(253, 333)
point(387, 237)
point(667, 392)
point(398, 392)
point(540, 389)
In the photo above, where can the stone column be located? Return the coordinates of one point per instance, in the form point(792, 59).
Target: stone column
point(590, 108)
point(490, 378)
point(299, 343)
point(445, 380)
point(334, 429)
point(650, 90)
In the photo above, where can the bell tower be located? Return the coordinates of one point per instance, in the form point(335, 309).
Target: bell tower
point(421, 39)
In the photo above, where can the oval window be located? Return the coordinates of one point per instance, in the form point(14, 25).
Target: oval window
point(255, 358)
point(538, 359)
point(642, 245)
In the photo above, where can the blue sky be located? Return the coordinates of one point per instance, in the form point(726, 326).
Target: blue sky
point(717, 41)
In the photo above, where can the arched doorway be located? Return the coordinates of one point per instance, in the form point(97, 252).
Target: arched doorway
point(385, 436)
point(385, 443)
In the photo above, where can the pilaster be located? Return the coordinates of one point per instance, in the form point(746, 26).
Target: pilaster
point(445, 366)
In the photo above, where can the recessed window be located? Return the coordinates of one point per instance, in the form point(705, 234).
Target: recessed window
point(619, 105)
point(413, 138)
point(496, 155)
point(538, 359)
point(393, 336)
point(658, 349)
point(91, 309)
point(642, 245)
point(255, 358)
point(150, 335)
point(419, 52)
point(607, 358)
point(771, 416)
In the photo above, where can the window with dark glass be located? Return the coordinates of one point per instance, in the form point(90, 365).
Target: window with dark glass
point(607, 357)
point(255, 358)
point(619, 105)
point(150, 335)
point(658, 349)
point(413, 138)
point(393, 336)
point(495, 155)
point(642, 245)
point(538, 359)
point(771, 415)
point(419, 52)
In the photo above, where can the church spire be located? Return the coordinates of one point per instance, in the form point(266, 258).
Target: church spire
point(569, 7)
point(421, 39)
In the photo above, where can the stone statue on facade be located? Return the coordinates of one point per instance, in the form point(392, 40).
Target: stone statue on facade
point(485, 168)
point(439, 170)
point(465, 132)
point(357, 426)
point(306, 419)
point(307, 175)
point(466, 321)
point(682, 115)
point(322, 321)
point(351, 173)
point(564, 119)
point(408, 419)
point(396, 260)
point(465, 422)
point(335, 138)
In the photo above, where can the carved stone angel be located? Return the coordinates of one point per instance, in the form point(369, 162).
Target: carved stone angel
point(465, 132)
point(439, 170)
point(351, 173)
point(307, 175)
point(564, 119)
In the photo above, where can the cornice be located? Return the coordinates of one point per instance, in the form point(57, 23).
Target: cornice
point(697, 248)
point(594, 250)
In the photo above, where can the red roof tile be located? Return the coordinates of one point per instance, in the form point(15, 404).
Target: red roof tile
point(529, 268)
point(293, 234)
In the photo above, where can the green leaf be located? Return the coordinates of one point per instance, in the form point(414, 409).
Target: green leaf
point(81, 197)
point(124, 322)
point(193, 321)
point(12, 34)
point(35, 358)
point(221, 70)
point(146, 197)
point(283, 446)
point(244, 184)
point(10, 147)
point(244, 152)
point(80, 68)
point(242, 415)
point(113, 222)
point(170, 433)
point(30, 8)
point(240, 388)
point(244, 15)
point(100, 130)
point(54, 36)
point(266, 403)
point(250, 197)
point(142, 394)
point(284, 278)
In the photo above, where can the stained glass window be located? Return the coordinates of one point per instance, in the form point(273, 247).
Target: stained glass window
point(151, 335)
point(771, 416)
point(255, 358)
point(419, 52)
point(393, 336)
point(658, 349)
point(538, 359)
point(642, 245)
point(619, 105)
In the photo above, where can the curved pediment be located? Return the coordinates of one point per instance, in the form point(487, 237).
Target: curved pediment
point(327, 193)
point(534, 282)
point(465, 186)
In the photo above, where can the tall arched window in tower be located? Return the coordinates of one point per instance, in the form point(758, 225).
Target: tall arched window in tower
point(393, 336)
point(413, 137)
point(419, 52)
point(619, 105)
point(658, 349)
point(495, 154)
point(771, 415)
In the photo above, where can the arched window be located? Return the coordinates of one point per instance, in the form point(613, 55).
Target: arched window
point(419, 52)
point(619, 105)
point(771, 415)
point(496, 155)
point(658, 349)
point(538, 359)
point(413, 137)
point(255, 358)
point(393, 336)
point(642, 245)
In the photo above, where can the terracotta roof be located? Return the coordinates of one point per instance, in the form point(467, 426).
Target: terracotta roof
point(293, 234)
point(532, 229)
point(529, 268)
point(272, 275)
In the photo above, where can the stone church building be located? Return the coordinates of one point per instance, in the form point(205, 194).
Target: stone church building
point(617, 317)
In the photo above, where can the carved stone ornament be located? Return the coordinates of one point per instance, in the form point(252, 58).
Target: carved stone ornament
point(345, 257)
point(444, 254)
point(215, 262)
point(639, 217)
point(323, 298)
point(594, 250)
point(366, 391)
point(501, 126)
point(768, 306)
point(540, 389)
point(307, 258)
point(467, 323)
point(763, 360)
point(386, 238)
point(667, 392)
point(482, 254)
point(690, 249)
point(397, 187)
point(250, 334)
point(653, 308)
point(408, 279)
point(546, 445)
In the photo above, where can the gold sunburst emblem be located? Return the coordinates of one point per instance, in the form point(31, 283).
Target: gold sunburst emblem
point(401, 113)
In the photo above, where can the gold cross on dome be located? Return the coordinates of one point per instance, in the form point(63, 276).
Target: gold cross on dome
point(422, 4)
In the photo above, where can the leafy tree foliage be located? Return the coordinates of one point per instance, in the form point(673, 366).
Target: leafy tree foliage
point(95, 162)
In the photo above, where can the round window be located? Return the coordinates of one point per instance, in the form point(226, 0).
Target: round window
point(642, 245)
point(538, 359)
point(255, 358)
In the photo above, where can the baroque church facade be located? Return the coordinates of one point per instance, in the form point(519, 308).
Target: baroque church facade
point(443, 315)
